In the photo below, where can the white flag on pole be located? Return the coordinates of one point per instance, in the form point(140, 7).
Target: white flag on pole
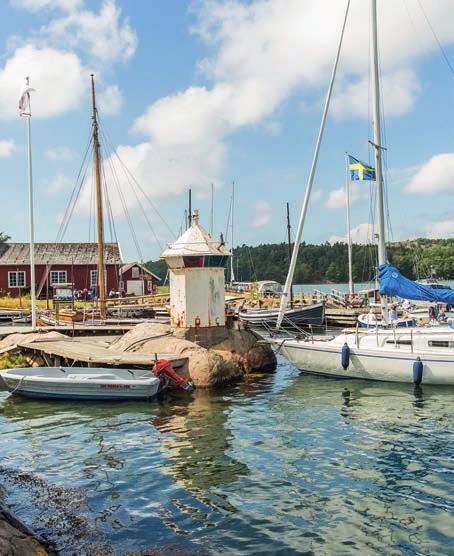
point(24, 99)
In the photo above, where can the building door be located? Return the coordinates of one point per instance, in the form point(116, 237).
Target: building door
point(134, 287)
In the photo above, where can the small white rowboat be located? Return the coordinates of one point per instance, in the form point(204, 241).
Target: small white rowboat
point(82, 383)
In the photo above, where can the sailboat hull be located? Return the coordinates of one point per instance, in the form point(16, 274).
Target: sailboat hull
point(393, 364)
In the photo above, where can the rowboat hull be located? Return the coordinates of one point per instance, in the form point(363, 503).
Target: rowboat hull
point(82, 383)
point(310, 314)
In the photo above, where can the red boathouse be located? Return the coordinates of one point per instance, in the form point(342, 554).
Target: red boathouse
point(67, 263)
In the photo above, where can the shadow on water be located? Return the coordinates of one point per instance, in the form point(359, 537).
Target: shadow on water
point(285, 464)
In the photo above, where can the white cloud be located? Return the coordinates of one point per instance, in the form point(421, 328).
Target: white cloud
point(110, 100)
point(264, 51)
point(58, 184)
point(272, 128)
point(435, 176)
point(440, 230)
point(59, 153)
point(338, 198)
point(7, 147)
point(56, 75)
point(36, 5)
point(104, 35)
point(399, 90)
point(361, 234)
point(261, 214)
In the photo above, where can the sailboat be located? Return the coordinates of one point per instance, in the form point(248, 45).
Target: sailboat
point(411, 355)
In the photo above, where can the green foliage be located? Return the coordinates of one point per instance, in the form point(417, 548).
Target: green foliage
point(329, 263)
point(4, 237)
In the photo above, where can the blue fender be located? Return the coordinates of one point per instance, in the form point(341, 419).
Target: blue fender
point(345, 356)
point(418, 369)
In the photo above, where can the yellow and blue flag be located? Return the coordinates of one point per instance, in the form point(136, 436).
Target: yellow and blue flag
point(359, 170)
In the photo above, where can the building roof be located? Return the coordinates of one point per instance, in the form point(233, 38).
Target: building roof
point(195, 242)
point(128, 266)
point(58, 253)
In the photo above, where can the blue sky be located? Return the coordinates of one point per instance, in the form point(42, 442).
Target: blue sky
point(194, 93)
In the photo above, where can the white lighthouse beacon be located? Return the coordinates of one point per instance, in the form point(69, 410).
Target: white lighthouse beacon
point(196, 267)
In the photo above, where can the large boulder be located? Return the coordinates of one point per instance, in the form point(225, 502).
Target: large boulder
point(214, 356)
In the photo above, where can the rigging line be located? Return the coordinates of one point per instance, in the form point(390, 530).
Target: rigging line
point(111, 222)
point(130, 174)
point(142, 208)
point(228, 221)
point(68, 215)
point(442, 50)
point(62, 224)
point(125, 208)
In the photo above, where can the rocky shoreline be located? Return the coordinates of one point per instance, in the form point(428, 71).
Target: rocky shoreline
point(16, 539)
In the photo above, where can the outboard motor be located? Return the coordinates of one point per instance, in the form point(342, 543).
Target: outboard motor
point(418, 369)
point(163, 369)
point(345, 356)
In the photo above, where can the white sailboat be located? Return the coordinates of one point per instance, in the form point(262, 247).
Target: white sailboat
point(388, 354)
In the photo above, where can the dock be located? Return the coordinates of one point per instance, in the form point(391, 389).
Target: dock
point(73, 330)
point(56, 350)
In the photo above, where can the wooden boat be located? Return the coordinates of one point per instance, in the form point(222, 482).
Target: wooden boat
point(83, 383)
point(307, 314)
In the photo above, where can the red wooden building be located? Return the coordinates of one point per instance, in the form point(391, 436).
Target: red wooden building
point(67, 263)
point(135, 279)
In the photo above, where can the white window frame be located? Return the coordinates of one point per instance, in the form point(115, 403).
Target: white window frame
point(16, 274)
point(93, 283)
point(150, 285)
point(60, 274)
point(135, 272)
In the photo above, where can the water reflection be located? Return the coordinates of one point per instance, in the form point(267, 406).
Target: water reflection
point(287, 464)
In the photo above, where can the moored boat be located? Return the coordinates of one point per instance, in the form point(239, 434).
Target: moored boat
point(93, 383)
point(383, 355)
point(313, 314)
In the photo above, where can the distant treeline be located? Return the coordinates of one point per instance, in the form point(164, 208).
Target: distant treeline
point(327, 263)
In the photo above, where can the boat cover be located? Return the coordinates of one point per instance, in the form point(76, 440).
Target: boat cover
point(393, 283)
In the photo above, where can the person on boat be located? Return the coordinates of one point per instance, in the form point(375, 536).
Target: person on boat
point(393, 314)
point(371, 317)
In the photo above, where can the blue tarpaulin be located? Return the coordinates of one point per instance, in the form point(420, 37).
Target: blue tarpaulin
point(393, 283)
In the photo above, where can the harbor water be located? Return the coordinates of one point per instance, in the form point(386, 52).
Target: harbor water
point(283, 464)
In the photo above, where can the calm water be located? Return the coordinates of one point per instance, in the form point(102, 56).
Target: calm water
point(288, 464)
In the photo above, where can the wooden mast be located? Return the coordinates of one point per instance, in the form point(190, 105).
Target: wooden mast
point(99, 211)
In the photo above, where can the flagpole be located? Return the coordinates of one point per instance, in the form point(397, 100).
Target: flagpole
point(30, 210)
point(349, 236)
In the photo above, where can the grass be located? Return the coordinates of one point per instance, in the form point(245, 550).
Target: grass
point(12, 360)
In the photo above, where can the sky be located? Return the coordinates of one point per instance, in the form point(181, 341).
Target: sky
point(204, 93)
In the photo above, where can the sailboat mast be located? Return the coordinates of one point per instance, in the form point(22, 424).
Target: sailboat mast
point(232, 276)
point(289, 241)
point(99, 211)
point(310, 180)
point(349, 235)
point(377, 145)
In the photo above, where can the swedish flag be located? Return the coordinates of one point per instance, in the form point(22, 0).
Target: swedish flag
point(359, 170)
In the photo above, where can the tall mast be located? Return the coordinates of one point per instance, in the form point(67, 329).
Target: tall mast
point(310, 181)
point(232, 275)
point(349, 235)
point(378, 146)
point(289, 241)
point(212, 210)
point(99, 211)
